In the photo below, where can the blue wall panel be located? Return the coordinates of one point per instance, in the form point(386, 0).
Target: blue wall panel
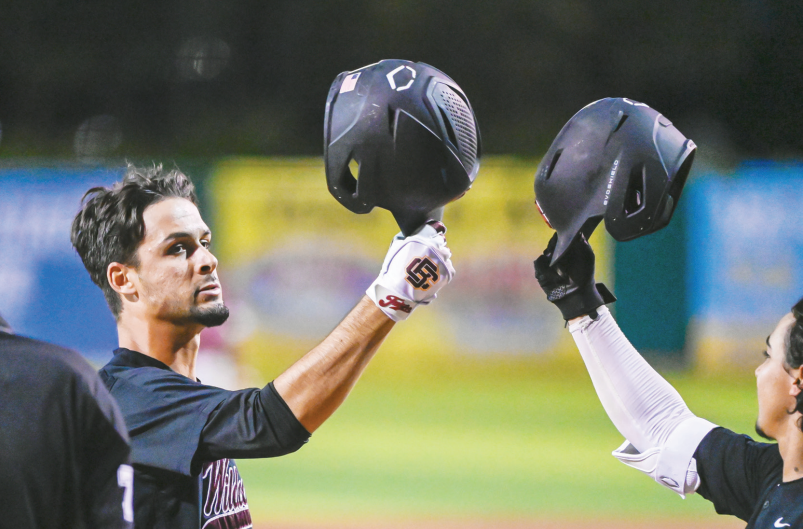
point(45, 292)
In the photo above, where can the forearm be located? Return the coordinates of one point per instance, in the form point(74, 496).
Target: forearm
point(317, 384)
point(643, 406)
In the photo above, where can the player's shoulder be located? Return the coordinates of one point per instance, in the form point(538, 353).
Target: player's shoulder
point(735, 449)
point(61, 374)
point(722, 438)
point(37, 358)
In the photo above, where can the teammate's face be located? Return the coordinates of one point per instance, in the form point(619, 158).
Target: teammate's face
point(177, 273)
point(775, 383)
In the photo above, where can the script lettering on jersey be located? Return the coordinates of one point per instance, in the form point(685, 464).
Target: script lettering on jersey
point(225, 504)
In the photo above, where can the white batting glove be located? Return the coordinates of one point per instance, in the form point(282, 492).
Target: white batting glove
point(415, 269)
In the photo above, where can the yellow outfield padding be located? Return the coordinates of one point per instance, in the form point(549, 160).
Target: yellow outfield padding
point(294, 261)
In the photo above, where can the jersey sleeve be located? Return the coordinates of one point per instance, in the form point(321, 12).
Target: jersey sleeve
point(249, 424)
point(734, 470)
point(176, 423)
point(165, 414)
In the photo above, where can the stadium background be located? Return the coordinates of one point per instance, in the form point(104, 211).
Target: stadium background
point(477, 410)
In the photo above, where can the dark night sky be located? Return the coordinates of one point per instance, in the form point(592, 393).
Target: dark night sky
point(204, 79)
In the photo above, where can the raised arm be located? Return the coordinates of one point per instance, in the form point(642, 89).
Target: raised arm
point(415, 269)
point(316, 385)
point(662, 433)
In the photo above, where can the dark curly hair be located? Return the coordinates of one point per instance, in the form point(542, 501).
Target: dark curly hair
point(109, 226)
point(794, 349)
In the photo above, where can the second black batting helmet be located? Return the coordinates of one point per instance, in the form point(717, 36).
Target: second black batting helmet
point(411, 131)
point(616, 159)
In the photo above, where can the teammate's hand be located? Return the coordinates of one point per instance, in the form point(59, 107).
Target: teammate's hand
point(415, 269)
point(570, 283)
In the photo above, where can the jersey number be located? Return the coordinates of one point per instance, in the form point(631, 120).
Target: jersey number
point(125, 480)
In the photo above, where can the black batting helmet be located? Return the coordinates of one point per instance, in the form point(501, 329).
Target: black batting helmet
point(412, 132)
point(616, 159)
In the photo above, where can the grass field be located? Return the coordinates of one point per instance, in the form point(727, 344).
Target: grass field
point(516, 445)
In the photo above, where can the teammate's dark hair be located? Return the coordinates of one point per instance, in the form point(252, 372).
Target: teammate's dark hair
point(109, 227)
point(794, 349)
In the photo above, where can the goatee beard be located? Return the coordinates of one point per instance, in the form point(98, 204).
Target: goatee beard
point(210, 316)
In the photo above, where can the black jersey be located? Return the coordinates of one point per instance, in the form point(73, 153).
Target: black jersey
point(184, 436)
point(63, 443)
point(745, 478)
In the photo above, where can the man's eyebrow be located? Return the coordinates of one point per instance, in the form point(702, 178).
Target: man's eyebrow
point(184, 235)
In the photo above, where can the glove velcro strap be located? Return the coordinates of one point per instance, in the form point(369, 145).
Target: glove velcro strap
point(607, 295)
point(581, 302)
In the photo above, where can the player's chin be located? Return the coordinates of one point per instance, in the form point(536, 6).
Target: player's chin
point(210, 314)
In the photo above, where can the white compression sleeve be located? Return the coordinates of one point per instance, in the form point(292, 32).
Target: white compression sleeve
point(643, 406)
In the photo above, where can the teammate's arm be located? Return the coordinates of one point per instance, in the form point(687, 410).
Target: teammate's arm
point(662, 433)
point(415, 269)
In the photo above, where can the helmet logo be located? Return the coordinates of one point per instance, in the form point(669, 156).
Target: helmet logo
point(611, 176)
point(401, 70)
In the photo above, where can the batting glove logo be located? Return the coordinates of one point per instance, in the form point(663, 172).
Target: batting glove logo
point(421, 271)
point(395, 303)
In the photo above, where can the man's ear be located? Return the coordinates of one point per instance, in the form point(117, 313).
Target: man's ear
point(796, 388)
point(121, 279)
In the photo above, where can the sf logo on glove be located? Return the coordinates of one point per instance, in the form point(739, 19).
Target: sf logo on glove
point(421, 271)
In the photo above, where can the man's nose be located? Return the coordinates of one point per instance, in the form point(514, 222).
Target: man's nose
point(207, 261)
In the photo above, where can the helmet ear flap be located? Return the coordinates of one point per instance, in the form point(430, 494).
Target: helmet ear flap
point(682, 174)
point(347, 180)
point(343, 184)
point(635, 192)
point(676, 186)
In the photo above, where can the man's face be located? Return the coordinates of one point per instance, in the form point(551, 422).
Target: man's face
point(774, 383)
point(177, 274)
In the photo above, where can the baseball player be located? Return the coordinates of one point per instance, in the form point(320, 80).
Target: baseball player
point(146, 246)
point(63, 444)
point(623, 162)
point(759, 483)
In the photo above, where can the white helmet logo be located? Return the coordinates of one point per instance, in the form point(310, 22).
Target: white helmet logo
point(392, 81)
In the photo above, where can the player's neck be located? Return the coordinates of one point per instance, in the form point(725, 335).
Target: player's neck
point(790, 444)
point(175, 346)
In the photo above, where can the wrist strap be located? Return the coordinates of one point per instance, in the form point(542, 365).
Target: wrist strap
point(394, 306)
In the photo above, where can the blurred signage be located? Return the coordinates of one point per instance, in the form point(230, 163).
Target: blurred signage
point(294, 262)
point(745, 257)
point(47, 293)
